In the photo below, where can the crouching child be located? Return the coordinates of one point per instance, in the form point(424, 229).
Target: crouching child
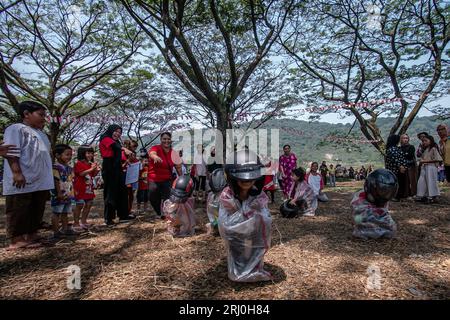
point(370, 206)
point(179, 208)
point(244, 218)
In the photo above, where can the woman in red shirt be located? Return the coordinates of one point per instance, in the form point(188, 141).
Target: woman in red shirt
point(114, 190)
point(161, 163)
point(85, 170)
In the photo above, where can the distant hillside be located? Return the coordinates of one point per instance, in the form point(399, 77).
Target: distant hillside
point(307, 140)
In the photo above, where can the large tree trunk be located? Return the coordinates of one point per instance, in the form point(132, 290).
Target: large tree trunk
point(55, 129)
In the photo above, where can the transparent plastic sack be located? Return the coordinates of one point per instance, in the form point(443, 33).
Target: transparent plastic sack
point(371, 222)
point(180, 217)
point(246, 230)
point(212, 210)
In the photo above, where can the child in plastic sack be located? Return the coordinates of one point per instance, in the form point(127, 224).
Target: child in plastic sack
point(370, 206)
point(301, 193)
point(179, 208)
point(217, 183)
point(244, 218)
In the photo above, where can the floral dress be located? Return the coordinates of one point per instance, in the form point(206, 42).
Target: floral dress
point(288, 163)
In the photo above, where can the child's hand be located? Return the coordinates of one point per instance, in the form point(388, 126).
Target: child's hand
point(19, 180)
point(61, 196)
point(7, 149)
point(292, 202)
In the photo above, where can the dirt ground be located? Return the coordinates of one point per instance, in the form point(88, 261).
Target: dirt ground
point(310, 258)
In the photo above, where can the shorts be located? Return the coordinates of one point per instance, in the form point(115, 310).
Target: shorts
point(62, 208)
point(82, 202)
point(142, 196)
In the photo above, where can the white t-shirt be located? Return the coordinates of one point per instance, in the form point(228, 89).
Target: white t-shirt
point(200, 165)
point(314, 182)
point(34, 159)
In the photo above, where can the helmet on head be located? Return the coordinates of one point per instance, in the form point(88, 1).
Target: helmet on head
point(182, 189)
point(217, 181)
point(244, 165)
point(380, 186)
point(289, 211)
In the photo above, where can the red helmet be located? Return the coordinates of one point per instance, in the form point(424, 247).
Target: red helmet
point(182, 188)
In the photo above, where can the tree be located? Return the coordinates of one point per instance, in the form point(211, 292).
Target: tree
point(358, 52)
point(60, 52)
point(195, 37)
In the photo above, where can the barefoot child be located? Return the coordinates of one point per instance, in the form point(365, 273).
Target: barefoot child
point(27, 176)
point(85, 170)
point(244, 218)
point(62, 195)
point(315, 180)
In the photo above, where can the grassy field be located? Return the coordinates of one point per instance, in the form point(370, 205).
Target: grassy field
point(310, 258)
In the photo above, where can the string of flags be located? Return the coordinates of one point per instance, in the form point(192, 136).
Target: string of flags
point(96, 119)
point(301, 133)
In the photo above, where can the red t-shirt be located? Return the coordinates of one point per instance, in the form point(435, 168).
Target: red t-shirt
point(105, 147)
point(143, 178)
point(83, 186)
point(159, 172)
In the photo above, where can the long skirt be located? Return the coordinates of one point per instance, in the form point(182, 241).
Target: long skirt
point(428, 185)
point(412, 175)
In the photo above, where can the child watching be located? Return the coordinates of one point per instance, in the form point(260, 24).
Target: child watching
point(142, 194)
point(131, 145)
point(85, 171)
point(27, 176)
point(427, 187)
point(62, 195)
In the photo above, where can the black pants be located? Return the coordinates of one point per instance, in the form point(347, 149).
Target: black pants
point(115, 194)
point(447, 173)
point(158, 193)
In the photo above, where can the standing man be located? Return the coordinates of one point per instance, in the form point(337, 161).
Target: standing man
point(444, 148)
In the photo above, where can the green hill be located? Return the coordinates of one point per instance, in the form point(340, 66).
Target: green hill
point(308, 140)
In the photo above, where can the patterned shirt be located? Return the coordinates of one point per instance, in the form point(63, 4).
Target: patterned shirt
point(394, 159)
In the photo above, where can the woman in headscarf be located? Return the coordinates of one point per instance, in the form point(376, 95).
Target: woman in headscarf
point(396, 162)
point(114, 191)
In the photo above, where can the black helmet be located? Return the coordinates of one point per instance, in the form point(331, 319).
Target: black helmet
point(244, 165)
point(381, 186)
point(182, 188)
point(288, 211)
point(217, 181)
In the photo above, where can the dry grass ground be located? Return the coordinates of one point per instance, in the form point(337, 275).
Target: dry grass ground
point(310, 258)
